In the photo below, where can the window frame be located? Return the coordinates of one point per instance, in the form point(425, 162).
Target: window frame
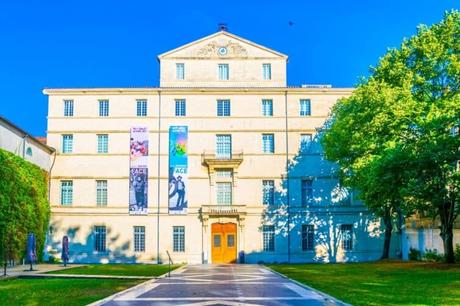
point(180, 71)
point(66, 192)
point(224, 148)
point(104, 108)
point(347, 245)
point(141, 107)
point(223, 74)
point(68, 108)
point(224, 197)
point(139, 238)
point(102, 143)
point(268, 238)
point(224, 108)
point(101, 193)
point(305, 107)
point(268, 186)
point(100, 238)
point(306, 190)
point(268, 148)
point(180, 107)
point(308, 237)
point(178, 239)
point(267, 71)
point(67, 144)
point(267, 112)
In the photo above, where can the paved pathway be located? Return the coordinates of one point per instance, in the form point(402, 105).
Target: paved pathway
point(250, 285)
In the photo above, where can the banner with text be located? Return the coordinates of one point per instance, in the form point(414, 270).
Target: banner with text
point(138, 171)
point(178, 169)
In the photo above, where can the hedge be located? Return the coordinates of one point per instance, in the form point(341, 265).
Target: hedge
point(24, 206)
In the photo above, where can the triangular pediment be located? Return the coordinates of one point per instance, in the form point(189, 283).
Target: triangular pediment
point(221, 45)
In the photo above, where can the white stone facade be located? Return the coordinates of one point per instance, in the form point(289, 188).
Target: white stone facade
point(330, 209)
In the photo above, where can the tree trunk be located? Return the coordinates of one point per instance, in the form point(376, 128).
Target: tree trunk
point(447, 236)
point(388, 229)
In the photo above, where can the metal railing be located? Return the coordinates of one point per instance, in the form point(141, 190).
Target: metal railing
point(213, 155)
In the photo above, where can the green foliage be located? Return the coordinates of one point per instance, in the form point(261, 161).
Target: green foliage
point(432, 256)
point(396, 138)
point(457, 253)
point(24, 206)
point(414, 254)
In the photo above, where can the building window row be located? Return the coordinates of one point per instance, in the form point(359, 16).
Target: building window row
point(223, 108)
point(223, 71)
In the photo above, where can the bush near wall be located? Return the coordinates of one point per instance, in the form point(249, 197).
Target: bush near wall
point(24, 206)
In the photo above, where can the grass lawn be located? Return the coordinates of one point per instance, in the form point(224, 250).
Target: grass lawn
point(59, 291)
point(118, 269)
point(381, 283)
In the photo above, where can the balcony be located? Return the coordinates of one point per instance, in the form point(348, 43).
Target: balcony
point(223, 210)
point(213, 160)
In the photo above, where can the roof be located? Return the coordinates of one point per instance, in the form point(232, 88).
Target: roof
point(23, 133)
point(219, 34)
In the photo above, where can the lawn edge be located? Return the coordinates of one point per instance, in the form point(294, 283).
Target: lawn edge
point(329, 297)
point(119, 293)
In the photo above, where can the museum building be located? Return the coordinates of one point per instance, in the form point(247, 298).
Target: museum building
point(221, 163)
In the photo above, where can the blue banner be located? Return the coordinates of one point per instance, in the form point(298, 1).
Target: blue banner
point(178, 169)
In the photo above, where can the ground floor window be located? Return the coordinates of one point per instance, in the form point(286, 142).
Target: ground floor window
point(100, 233)
point(308, 234)
point(139, 239)
point(268, 237)
point(346, 234)
point(179, 238)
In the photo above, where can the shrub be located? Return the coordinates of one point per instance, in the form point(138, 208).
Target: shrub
point(414, 254)
point(457, 252)
point(432, 256)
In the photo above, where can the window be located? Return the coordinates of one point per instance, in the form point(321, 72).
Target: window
point(268, 237)
point(217, 241)
point(100, 233)
point(180, 71)
point(68, 108)
point(267, 71)
point(139, 239)
point(224, 193)
point(66, 192)
point(223, 72)
point(307, 191)
point(305, 107)
point(224, 173)
point(67, 143)
point(267, 107)
point(102, 143)
point(268, 192)
point(29, 151)
point(141, 109)
point(101, 193)
point(224, 146)
point(178, 239)
point(103, 108)
point(223, 108)
point(268, 143)
point(180, 107)
point(346, 234)
point(230, 241)
point(308, 234)
point(305, 141)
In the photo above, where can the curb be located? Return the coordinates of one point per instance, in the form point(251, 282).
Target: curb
point(117, 294)
point(328, 298)
point(83, 276)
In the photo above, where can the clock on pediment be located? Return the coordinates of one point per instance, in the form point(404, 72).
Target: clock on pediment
point(222, 51)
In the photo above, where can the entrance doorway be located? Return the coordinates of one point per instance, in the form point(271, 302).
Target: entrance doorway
point(223, 242)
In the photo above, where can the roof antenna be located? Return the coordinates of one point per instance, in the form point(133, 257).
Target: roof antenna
point(222, 27)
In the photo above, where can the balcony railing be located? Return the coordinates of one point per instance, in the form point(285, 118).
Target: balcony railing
point(223, 210)
point(212, 157)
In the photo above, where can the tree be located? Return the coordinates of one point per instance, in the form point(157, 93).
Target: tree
point(429, 64)
point(365, 140)
point(396, 138)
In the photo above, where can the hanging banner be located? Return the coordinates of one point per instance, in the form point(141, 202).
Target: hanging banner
point(178, 169)
point(138, 171)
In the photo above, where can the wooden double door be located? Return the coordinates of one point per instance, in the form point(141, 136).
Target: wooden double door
point(223, 243)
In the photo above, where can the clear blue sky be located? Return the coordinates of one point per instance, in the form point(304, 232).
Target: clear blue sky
point(66, 43)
